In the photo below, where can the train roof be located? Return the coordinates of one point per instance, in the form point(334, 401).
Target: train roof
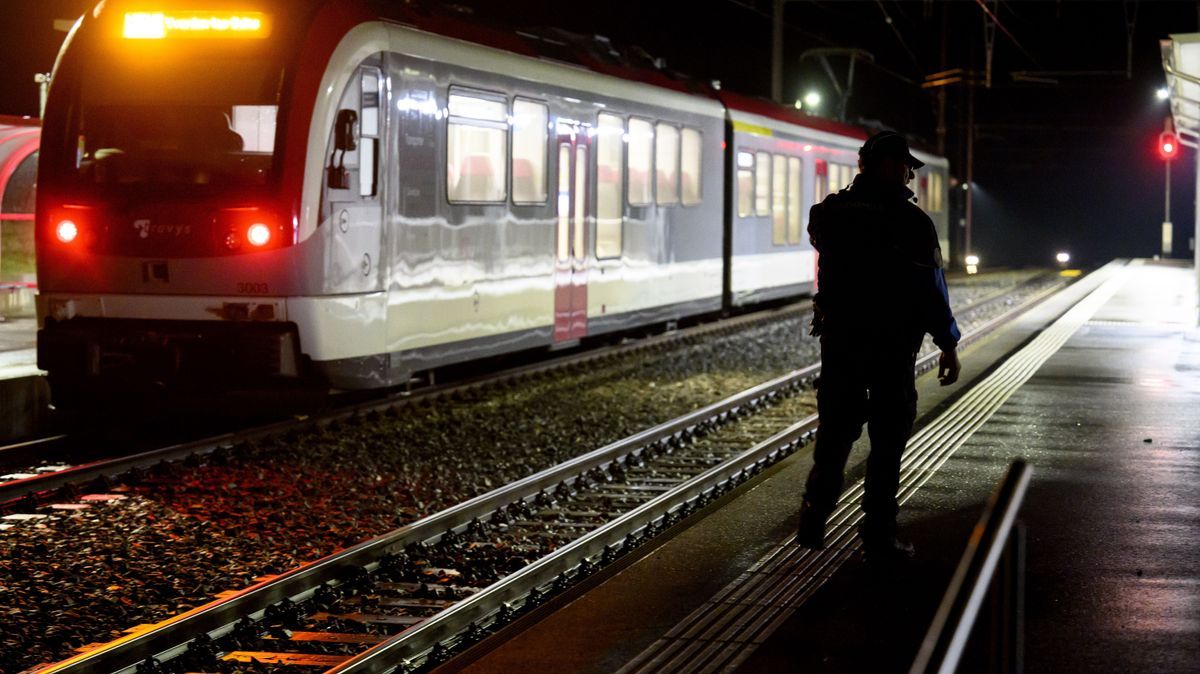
point(781, 113)
point(628, 62)
point(589, 53)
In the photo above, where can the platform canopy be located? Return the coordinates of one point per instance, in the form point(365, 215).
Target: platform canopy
point(1181, 63)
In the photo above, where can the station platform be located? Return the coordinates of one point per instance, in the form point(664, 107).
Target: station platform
point(1098, 388)
point(24, 394)
point(18, 348)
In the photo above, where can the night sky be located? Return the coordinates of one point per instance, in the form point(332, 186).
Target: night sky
point(1067, 161)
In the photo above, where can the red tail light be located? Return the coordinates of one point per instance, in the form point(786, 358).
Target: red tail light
point(66, 231)
point(68, 225)
point(251, 227)
point(258, 235)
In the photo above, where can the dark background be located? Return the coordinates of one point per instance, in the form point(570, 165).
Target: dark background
point(1070, 163)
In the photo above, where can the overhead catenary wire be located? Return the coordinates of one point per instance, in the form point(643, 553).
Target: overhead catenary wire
point(983, 6)
point(887, 18)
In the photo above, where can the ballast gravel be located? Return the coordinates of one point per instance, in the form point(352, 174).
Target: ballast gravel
point(185, 533)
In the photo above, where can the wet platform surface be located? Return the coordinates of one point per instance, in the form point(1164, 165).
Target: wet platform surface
point(1109, 421)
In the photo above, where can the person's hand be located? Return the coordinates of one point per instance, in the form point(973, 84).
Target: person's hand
point(816, 326)
point(948, 367)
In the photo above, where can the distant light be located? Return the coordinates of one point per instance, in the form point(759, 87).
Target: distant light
point(966, 186)
point(1063, 257)
point(972, 260)
point(812, 99)
point(1163, 94)
point(258, 234)
point(799, 104)
point(66, 231)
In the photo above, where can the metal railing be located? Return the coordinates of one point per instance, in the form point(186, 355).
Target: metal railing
point(989, 583)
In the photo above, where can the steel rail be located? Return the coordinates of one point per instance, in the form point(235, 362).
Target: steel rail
point(543, 578)
point(170, 638)
point(14, 492)
point(217, 618)
point(440, 634)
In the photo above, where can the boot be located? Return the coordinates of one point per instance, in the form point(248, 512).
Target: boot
point(880, 545)
point(811, 533)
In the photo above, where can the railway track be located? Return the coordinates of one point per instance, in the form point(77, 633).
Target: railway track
point(22, 488)
point(411, 598)
point(56, 477)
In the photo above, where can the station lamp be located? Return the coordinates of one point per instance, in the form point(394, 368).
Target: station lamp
point(1163, 93)
point(812, 99)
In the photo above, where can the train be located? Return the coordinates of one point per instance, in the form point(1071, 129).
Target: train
point(255, 194)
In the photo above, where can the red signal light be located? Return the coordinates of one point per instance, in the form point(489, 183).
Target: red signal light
point(1168, 145)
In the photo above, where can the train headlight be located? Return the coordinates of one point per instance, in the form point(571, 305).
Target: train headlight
point(972, 264)
point(66, 231)
point(1063, 257)
point(258, 234)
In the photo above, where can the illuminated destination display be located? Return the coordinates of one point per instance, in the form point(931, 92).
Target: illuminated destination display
point(159, 25)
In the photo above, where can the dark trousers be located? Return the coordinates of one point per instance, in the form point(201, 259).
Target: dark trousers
point(863, 381)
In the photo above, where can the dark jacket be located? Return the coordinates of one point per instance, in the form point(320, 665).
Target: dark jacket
point(879, 267)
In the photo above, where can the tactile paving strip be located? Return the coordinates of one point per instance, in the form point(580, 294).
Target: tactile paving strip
point(721, 634)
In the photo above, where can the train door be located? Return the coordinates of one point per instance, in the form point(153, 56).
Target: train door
point(355, 187)
point(570, 259)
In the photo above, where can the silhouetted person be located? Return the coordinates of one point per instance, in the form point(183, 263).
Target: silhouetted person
point(880, 289)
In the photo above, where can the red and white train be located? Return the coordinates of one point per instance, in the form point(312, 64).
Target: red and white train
point(271, 191)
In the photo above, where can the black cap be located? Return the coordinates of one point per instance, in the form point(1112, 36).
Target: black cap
point(889, 144)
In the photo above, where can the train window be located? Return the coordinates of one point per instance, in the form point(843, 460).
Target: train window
point(21, 192)
point(840, 176)
point(762, 183)
point(793, 201)
point(563, 236)
point(935, 192)
point(476, 149)
point(368, 126)
point(529, 152)
point(778, 200)
point(256, 125)
point(581, 161)
point(689, 160)
point(821, 181)
point(745, 184)
point(666, 163)
point(178, 126)
point(640, 159)
point(609, 177)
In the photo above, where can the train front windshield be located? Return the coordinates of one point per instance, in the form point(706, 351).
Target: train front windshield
point(176, 126)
